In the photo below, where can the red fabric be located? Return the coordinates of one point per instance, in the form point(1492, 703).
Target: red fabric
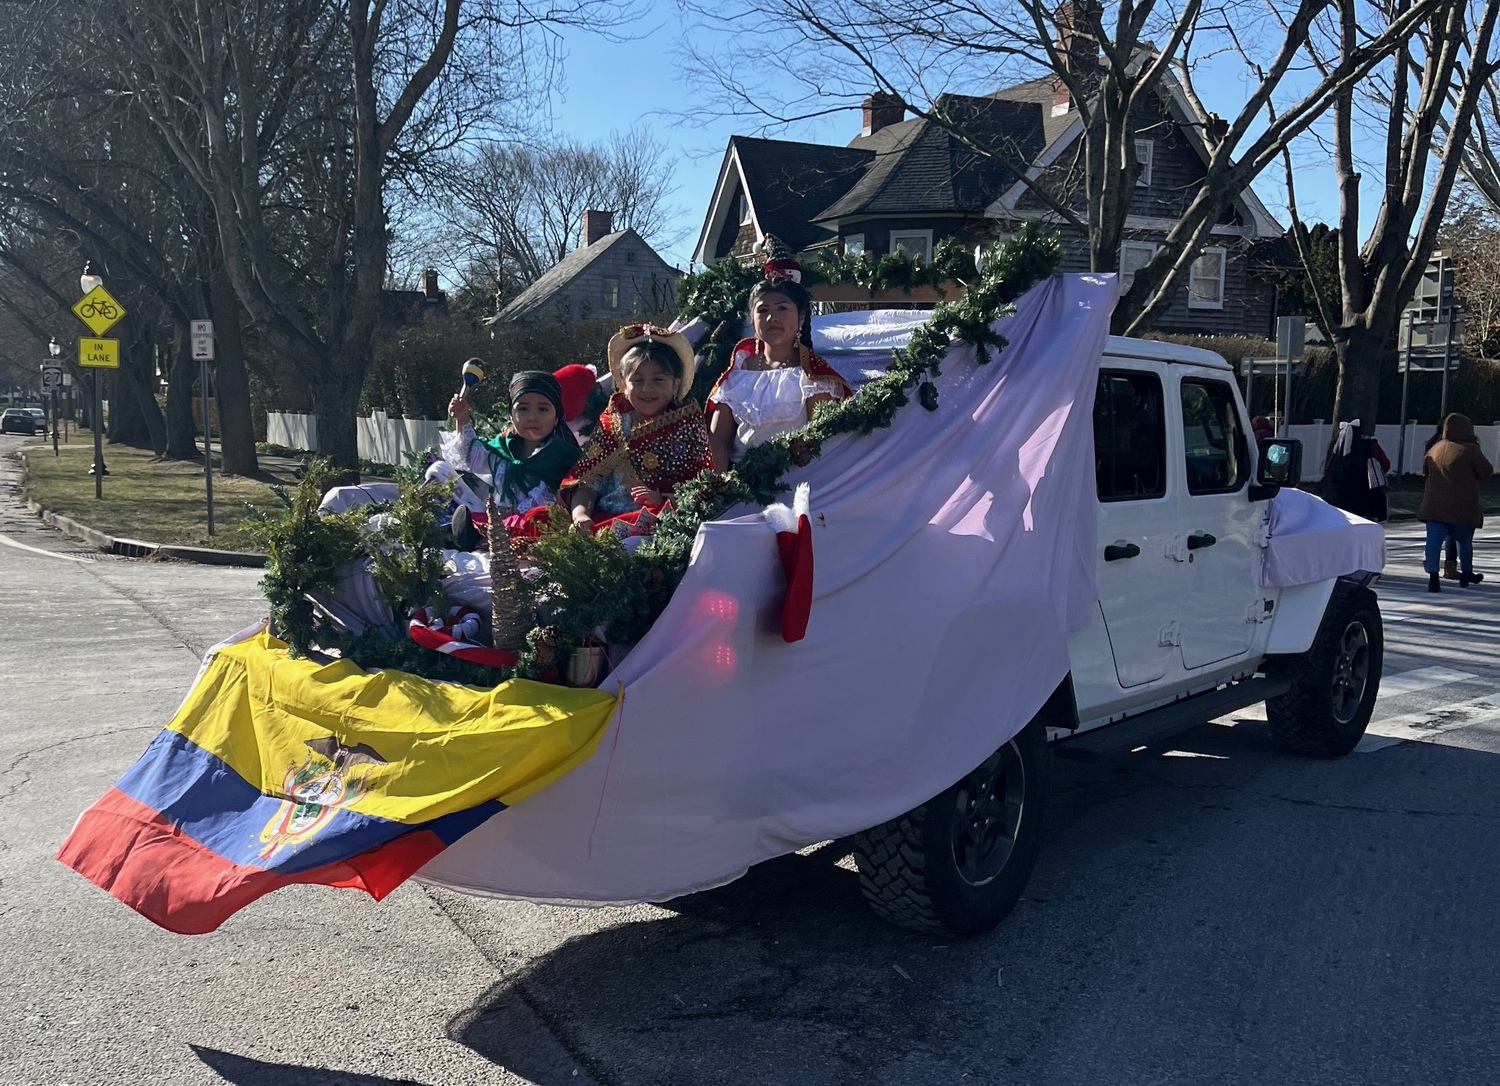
point(1379, 454)
point(140, 857)
point(577, 382)
point(797, 560)
point(446, 643)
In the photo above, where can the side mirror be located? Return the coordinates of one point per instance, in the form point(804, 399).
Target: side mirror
point(1280, 462)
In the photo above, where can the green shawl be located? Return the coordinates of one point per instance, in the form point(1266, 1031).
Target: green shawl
point(550, 464)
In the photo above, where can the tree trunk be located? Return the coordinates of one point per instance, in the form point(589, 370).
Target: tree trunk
point(182, 443)
point(236, 430)
point(1359, 350)
point(336, 405)
point(134, 417)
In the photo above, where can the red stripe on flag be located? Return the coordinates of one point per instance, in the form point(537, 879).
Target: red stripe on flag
point(145, 861)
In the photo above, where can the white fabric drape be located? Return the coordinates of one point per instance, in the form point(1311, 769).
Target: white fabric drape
point(954, 557)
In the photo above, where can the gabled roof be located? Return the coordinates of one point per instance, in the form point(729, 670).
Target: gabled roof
point(787, 184)
point(540, 294)
point(925, 169)
point(1066, 128)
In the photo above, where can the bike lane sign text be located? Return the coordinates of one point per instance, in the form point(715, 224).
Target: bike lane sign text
point(99, 310)
point(99, 353)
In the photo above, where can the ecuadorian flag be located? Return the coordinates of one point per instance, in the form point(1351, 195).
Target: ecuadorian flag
point(279, 770)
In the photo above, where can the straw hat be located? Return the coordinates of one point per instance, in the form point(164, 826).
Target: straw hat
point(633, 334)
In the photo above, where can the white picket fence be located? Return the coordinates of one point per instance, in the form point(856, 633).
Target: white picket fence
point(381, 438)
point(387, 441)
point(1316, 435)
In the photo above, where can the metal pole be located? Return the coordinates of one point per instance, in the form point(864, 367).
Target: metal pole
point(98, 468)
point(208, 450)
point(55, 423)
point(1286, 426)
point(1405, 383)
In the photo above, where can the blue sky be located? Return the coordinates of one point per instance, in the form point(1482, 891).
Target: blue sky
point(612, 86)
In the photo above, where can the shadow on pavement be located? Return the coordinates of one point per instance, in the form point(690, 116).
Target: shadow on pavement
point(244, 1071)
point(1224, 914)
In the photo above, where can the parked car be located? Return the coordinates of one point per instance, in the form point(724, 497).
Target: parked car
point(20, 420)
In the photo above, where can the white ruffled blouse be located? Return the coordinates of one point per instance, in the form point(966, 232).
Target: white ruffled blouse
point(768, 403)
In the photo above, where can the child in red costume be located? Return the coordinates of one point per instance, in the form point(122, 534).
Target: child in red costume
point(650, 438)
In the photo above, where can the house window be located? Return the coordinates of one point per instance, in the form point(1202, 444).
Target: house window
point(854, 245)
point(744, 209)
point(1134, 255)
point(916, 244)
point(1206, 281)
point(611, 294)
point(1144, 150)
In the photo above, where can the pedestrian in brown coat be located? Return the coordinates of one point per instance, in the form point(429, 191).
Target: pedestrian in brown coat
point(1454, 467)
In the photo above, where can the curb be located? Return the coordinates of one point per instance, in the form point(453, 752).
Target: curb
point(137, 548)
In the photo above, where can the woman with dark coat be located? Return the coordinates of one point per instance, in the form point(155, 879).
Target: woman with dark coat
point(1346, 473)
point(1453, 468)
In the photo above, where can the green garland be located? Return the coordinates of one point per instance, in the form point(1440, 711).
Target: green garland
point(587, 582)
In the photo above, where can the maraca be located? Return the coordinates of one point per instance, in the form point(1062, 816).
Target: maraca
point(473, 373)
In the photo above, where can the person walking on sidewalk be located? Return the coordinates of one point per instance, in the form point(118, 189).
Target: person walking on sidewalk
point(1453, 469)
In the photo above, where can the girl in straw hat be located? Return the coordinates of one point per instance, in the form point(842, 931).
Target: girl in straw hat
point(650, 438)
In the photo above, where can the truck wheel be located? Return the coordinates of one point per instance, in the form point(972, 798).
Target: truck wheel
point(957, 864)
point(1334, 683)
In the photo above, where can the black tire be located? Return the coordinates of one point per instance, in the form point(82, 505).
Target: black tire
point(1334, 683)
point(957, 864)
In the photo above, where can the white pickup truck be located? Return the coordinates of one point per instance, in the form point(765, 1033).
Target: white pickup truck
point(1185, 632)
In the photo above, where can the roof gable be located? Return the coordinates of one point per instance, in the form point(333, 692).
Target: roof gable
point(560, 276)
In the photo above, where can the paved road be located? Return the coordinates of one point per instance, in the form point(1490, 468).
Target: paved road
point(1221, 914)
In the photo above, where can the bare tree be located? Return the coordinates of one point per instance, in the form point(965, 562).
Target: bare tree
point(294, 116)
point(518, 207)
point(792, 59)
point(1428, 96)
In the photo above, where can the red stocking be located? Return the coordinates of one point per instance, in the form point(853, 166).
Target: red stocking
point(797, 562)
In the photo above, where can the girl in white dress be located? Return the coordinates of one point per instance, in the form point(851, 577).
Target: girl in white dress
point(774, 381)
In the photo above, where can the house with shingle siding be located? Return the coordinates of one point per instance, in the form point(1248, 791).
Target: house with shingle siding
point(614, 273)
point(907, 183)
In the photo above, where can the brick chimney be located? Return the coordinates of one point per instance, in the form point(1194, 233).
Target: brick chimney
point(881, 110)
point(430, 285)
point(596, 224)
point(1076, 48)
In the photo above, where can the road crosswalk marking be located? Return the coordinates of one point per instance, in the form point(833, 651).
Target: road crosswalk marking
point(1426, 724)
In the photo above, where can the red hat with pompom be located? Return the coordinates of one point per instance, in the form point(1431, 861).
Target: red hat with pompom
point(577, 382)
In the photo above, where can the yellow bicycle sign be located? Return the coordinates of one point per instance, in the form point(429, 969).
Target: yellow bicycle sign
point(99, 310)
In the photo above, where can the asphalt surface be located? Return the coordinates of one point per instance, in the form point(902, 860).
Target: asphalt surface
point(1220, 914)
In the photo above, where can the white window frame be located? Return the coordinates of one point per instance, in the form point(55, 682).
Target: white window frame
point(854, 245)
point(1143, 179)
point(1128, 277)
point(1194, 301)
point(611, 287)
point(745, 216)
point(925, 236)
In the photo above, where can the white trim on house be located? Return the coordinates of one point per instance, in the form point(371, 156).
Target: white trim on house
point(854, 245)
point(1194, 302)
point(1143, 179)
point(924, 235)
point(1132, 222)
point(1127, 276)
point(719, 208)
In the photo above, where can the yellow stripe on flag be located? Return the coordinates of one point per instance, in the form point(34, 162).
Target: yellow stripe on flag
point(415, 749)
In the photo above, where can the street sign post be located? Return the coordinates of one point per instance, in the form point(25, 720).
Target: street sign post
point(100, 312)
point(52, 379)
point(202, 335)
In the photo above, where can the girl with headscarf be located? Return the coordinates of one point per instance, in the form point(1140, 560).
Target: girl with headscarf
point(523, 466)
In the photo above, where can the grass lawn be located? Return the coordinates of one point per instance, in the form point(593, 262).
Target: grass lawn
point(159, 502)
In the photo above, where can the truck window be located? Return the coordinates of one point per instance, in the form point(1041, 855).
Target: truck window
point(1213, 444)
point(1130, 437)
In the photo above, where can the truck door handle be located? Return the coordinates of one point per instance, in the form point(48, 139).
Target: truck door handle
point(1199, 540)
point(1115, 551)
